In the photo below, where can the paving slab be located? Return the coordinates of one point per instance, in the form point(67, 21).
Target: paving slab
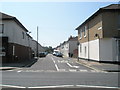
point(9, 66)
point(109, 67)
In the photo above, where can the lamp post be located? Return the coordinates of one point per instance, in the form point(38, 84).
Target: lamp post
point(37, 42)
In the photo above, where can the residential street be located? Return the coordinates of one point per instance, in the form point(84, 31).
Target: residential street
point(56, 71)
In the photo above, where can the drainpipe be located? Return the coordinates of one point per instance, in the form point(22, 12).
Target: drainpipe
point(97, 35)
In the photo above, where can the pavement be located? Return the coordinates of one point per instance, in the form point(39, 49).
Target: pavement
point(108, 67)
point(10, 66)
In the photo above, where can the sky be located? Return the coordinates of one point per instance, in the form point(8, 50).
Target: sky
point(56, 20)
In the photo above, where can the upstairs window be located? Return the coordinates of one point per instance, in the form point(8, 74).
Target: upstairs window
point(80, 33)
point(85, 51)
point(85, 31)
point(100, 28)
point(23, 35)
point(1, 28)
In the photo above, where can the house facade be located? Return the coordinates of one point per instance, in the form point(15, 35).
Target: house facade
point(68, 47)
point(34, 48)
point(99, 35)
point(17, 44)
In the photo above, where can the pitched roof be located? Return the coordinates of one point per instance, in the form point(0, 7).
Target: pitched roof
point(4, 16)
point(111, 7)
point(71, 38)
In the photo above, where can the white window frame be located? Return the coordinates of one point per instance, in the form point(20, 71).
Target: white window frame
point(85, 31)
point(80, 33)
point(100, 28)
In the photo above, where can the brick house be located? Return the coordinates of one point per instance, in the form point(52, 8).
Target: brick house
point(99, 35)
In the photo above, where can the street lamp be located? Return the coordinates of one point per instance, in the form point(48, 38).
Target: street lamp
point(37, 42)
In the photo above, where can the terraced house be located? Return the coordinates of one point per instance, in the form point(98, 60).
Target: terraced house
point(68, 48)
point(17, 44)
point(99, 35)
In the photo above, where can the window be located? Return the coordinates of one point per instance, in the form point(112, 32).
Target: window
point(80, 33)
point(100, 28)
point(1, 28)
point(85, 31)
point(85, 51)
point(23, 36)
point(118, 22)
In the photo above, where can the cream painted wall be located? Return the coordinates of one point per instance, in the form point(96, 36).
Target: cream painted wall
point(100, 50)
point(64, 49)
point(93, 50)
point(14, 32)
point(83, 54)
point(108, 49)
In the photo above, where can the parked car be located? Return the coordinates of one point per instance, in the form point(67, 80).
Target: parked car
point(42, 54)
point(59, 54)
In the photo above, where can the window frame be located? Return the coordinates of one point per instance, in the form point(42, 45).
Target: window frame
point(85, 31)
point(85, 51)
point(2, 28)
point(80, 33)
point(23, 35)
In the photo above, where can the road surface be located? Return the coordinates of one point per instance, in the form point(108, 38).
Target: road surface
point(55, 71)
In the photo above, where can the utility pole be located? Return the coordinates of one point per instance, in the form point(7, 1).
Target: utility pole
point(37, 41)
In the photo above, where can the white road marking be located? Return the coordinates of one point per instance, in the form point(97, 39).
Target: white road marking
point(56, 67)
point(61, 70)
point(76, 66)
point(19, 71)
point(93, 71)
point(95, 86)
point(72, 70)
point(53, 60)
point(83, 70)
point(10, 70)
point(52, 86)
point(55, 64)
point(62, 61)
point(12, 86)
point(69, 65)
point(72, 66)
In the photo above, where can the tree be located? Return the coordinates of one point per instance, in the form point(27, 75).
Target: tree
point(48, 49)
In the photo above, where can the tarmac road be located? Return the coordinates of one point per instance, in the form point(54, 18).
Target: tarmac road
point(56, 71)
